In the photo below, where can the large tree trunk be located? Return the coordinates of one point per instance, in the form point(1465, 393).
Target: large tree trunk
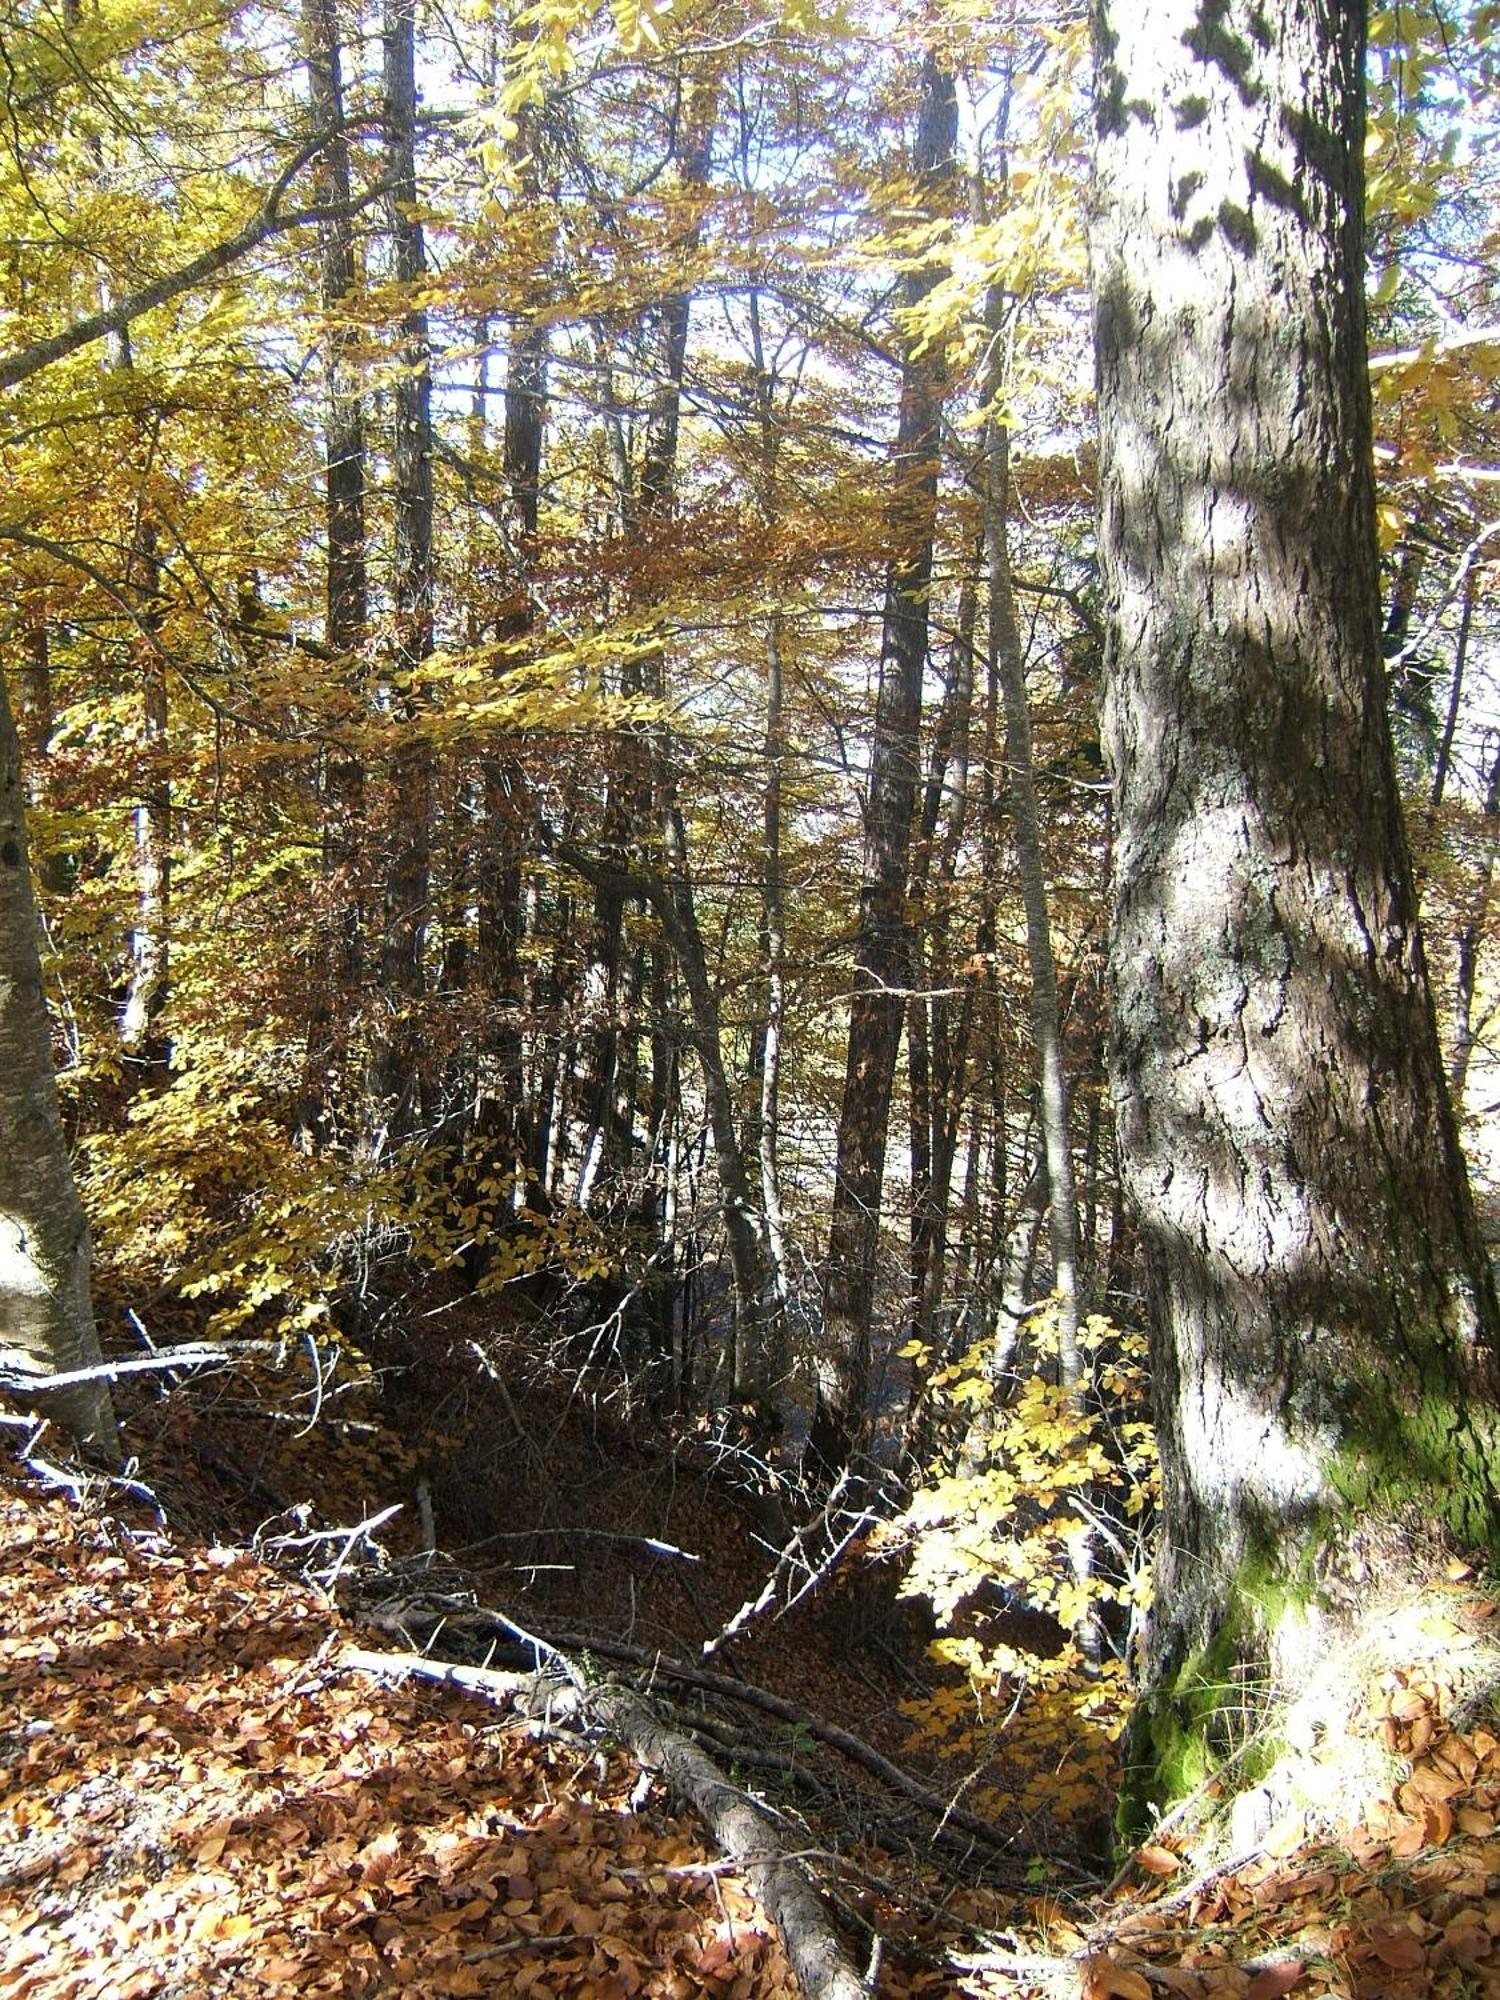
point(46, 1319)
point(1323, 1315)
point(881, 953)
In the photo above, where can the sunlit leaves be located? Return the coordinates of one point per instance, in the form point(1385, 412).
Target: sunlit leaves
point(1004, 1522)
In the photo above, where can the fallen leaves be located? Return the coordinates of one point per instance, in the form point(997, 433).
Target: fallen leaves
point(181, 1783)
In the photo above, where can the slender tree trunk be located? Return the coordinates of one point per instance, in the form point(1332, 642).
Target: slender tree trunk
point(882, 953)
point(770, 1029)
point(1471, 942)
point(46, 1318)
point(773, 933)
point(408, 869)
point(1455, 698)
point(937, 1042)
point(146, 989)
point(343, 406)
point(671, 897)
point(501, 911)
point(1046, 1018)
point(647, 502)
point(38, 720)
point(346, 584)
point(1323, 1315)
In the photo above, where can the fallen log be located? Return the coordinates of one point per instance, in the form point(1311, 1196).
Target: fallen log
point(948, 1815)
point(741, 1828)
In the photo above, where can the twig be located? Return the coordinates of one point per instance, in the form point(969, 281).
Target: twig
point(754, 1606)
point(15, 1379)
point(366, 1527)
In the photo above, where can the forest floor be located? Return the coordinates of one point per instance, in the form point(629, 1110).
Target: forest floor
point(200, 1795)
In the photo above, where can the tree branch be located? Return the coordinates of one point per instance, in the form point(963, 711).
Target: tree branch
point(741, 1827)
point(267, 222)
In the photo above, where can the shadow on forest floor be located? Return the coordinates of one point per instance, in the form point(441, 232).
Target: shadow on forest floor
point(196, 1798)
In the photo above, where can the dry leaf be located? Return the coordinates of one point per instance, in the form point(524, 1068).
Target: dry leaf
point(1106, 1980)
point(1399, 1950)
point(1274, 1980)
point(1158, 1860)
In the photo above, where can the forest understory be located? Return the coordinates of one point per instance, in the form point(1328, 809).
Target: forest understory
point(202, 1793)
point(749, 962)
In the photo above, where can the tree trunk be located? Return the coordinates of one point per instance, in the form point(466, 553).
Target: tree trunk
point(1323, 1317)
point(936, 1041)
point(881, 954)
point(46, 1318)
point(408, 866)
point(344, 412)
point(647, 503)
point(1471, 943)
point(346, 582)
point(146, 990)
point(37, 721)
point(1046, 1018)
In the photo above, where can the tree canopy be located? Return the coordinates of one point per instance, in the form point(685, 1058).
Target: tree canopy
point(635, 771)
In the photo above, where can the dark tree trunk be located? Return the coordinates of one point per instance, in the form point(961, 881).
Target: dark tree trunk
point(882, 950)
point(505, 1118)
point(1323, 1317)
point(1471, 943)
point(346, 581)
point(344, 413)
point(937, 1034)
point(409, 863)
point(647, 504)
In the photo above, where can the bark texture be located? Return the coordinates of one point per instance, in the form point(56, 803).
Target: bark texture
point(882, 946)
point(408, 873)
point(1323, 1315)
point(46, 1319)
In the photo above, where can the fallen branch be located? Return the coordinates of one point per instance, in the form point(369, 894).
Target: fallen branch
point(741, 1827)
point(17, 1379)
point(851, 1746)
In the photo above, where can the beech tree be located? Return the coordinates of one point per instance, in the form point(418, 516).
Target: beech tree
point(1323, 1316)
point(882, 957)
point(46, 1315)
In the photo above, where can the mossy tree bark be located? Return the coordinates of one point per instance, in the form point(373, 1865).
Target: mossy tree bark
point(1324, 1321)
point(46, 1319)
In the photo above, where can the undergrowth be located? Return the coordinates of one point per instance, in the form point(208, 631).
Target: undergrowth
point(1027, 1536)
